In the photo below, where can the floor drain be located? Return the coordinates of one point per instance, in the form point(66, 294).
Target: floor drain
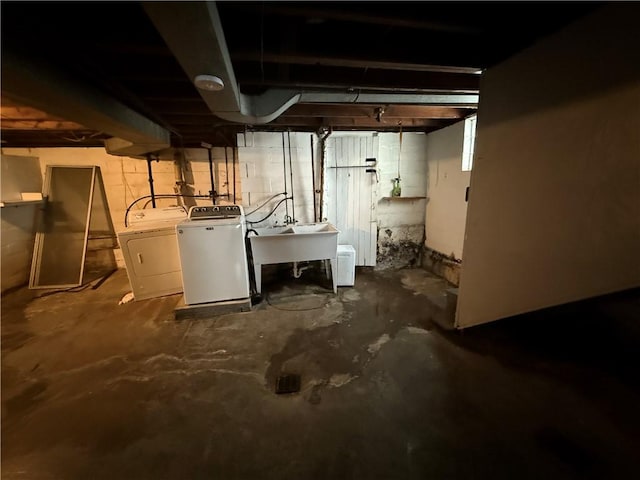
point(288, 383)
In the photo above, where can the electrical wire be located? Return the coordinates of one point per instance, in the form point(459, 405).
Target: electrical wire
point(299, 309)
point(252, 276)
point(125, 183)
point(157, 195)
point(258, 208)
point(272, 211)
point(76, 289)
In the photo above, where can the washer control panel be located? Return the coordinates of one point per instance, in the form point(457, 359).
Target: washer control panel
point(214, 211)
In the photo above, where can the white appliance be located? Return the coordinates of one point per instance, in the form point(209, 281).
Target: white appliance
point(211, 243)
point(346, 266)
point(148, 215)
point(150, 252)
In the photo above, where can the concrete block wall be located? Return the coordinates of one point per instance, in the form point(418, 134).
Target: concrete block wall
point(19, 174)
point(197, 176)
point(17, 227)
point(266, 167)
point(126, 179)
point(401, 220)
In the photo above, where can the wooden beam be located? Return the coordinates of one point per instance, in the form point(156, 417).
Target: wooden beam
point(371, 111)
point(356, 122)
point(314, 76)
point(365, 14)
point(30, 81)
point(40, 125)
point(298, 59)
point(18, 117)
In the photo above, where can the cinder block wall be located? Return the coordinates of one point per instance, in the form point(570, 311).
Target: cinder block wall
point(126, 179)
point(401, 220)
point(19, 174)
point(264, 164)
point(266, 167)
point(17, 245)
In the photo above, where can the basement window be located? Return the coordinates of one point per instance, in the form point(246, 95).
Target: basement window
point(469, 142)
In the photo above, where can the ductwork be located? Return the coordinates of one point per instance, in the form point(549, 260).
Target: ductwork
point(196, 39)
point(44, 87)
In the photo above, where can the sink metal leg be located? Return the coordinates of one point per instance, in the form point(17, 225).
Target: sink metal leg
point(257, 273)
point(334, 274)
point(326, 267)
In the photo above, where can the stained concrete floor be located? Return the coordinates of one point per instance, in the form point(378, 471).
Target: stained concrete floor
point(96, 390)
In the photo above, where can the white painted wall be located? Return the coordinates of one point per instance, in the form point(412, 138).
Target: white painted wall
point(401, 220)
point(446, 209)
point(265, 168)
point(126, 178)
point(410, 162)
point(554, 209)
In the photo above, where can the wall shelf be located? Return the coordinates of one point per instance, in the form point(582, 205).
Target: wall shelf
point(402, 198)
point(18, 203)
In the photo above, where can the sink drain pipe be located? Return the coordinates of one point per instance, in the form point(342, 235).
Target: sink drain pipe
point(297, 272)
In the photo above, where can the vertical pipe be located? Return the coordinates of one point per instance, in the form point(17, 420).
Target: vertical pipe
point(179, 177)
point(293, 203)
point(313, 181)
point(153, 195)
point(226, 170)
point(323, 146)
point(212, 193)
point(234, 172)
point(284, 173)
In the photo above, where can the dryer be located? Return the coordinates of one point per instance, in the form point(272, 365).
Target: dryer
point(150, 252)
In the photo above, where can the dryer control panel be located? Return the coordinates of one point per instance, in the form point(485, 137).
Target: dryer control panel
point(214, 211)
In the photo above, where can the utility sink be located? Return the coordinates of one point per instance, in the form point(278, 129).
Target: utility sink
point(294, 243)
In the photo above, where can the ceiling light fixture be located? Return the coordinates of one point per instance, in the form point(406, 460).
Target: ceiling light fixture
point(209, 82)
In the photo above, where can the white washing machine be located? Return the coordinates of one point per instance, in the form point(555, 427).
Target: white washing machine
point(211, 243)
point(150, 252)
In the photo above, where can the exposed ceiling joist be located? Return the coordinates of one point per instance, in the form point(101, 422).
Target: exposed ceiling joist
point(372, 111)
point(343, 65)
point(45, 88)
point(366, 62)
point(361, 12)
point(350, 122)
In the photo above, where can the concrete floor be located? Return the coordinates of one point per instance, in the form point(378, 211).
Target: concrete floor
point(96, 390)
